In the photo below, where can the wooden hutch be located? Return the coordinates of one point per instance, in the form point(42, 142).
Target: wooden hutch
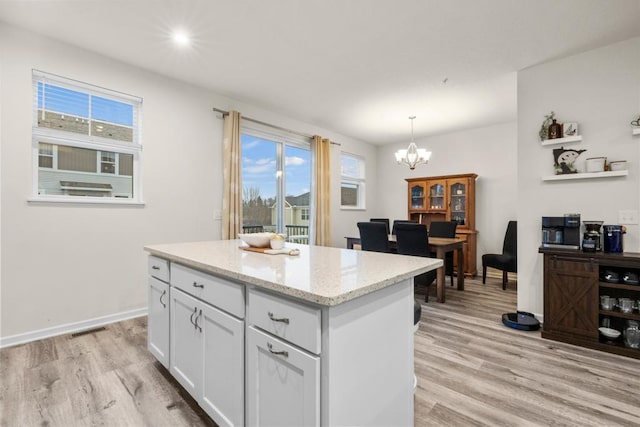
point(447, 198)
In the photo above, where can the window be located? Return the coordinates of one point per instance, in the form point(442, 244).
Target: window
point(352, 182)
point(86, 142)
point(276, 182)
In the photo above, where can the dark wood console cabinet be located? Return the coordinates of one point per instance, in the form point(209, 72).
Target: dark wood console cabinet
point(572, 289)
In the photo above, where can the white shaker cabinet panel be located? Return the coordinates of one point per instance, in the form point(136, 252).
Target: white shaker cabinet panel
point(223, 363)
point(158, 321)
point(186, 354)
point(283, 383)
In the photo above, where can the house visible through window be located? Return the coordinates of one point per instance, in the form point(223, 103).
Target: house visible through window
point(86, 142)
point(276, 182)
point(45, 153)
point(352, 182)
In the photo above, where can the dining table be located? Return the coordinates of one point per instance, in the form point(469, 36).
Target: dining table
point(439, 245)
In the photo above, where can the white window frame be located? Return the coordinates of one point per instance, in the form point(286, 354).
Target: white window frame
point(358, 182)
point(91, 142)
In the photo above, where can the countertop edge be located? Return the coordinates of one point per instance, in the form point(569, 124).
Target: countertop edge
point(286, 290)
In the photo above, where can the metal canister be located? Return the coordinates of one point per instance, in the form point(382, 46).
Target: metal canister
point(613, 238)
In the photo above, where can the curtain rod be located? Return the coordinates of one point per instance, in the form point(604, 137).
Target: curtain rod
point(225, 113)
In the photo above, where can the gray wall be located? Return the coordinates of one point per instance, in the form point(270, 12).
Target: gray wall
point(489, 152)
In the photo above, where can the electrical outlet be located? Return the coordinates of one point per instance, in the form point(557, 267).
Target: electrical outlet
point(628, 217)
point(217, 215)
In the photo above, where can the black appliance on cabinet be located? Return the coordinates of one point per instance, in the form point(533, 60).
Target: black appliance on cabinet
point(562, 232)
point(591, 240)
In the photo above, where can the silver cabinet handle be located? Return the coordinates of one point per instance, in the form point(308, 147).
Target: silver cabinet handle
point(281, 353)
point(197, 285)
point(195, 309)
point(163, 294)
point(196, 322)
point(155, 267)
point(282, 319)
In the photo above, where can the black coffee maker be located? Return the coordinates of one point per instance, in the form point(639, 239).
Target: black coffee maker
point(592, 238)
point(561, 232)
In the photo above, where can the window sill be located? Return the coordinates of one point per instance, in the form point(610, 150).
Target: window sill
point(85, 201)
point(349, 208)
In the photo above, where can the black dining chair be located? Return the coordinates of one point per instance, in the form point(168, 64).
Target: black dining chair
point(374, 237)
point(401, 221)
point(382, 220)
point(444, 229)
point(507, 261)
point(412, 239)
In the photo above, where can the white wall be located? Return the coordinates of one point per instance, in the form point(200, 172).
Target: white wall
point(344, 221)
point(489, 152)
point(600, 90)
point(65, 264)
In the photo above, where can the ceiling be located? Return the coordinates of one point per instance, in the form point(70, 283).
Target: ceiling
point(357, 67)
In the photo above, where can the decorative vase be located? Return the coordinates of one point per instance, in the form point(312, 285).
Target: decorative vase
point(555, 130)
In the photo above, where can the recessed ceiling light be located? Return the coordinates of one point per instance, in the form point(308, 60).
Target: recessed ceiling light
point(181, 38)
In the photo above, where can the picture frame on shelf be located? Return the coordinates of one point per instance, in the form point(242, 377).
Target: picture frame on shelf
point(570, 129)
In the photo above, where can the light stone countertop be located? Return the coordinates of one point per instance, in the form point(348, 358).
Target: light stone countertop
point(322, 275)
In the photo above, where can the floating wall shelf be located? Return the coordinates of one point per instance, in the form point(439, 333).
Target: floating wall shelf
point(558, 141)
point(589, 175)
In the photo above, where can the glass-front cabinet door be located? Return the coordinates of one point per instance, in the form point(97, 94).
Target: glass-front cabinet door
point(459, 210)
point(417, 196)
point(437, 197)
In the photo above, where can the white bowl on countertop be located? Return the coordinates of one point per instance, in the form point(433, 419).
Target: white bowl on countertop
point(257, 240)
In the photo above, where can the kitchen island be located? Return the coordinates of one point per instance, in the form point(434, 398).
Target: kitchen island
point(322, 338)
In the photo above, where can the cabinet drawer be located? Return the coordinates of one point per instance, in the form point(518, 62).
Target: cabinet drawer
point(294, 322)
point(283, 383)
point(158, 268)
point(218, 292)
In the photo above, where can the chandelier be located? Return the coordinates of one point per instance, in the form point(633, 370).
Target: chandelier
point(413, 155)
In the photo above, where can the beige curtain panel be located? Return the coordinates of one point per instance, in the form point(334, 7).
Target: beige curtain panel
point(322, 196)
point(232, 191)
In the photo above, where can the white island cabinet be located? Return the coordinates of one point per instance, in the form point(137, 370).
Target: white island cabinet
point(323, 338)
point(158, 311)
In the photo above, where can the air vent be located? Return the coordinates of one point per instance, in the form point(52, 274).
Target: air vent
point(88, 331)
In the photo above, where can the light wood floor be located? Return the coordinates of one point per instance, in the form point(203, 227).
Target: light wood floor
point(471, 371)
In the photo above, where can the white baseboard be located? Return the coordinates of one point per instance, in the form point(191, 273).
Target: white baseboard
point(70, 327)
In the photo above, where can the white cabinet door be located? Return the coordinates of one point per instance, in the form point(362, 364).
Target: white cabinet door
point(186, 342)
point(283, 383)
point(223, 363)
point(158, 321)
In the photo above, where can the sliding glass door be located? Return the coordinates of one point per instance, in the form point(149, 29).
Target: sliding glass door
point(276, 184)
